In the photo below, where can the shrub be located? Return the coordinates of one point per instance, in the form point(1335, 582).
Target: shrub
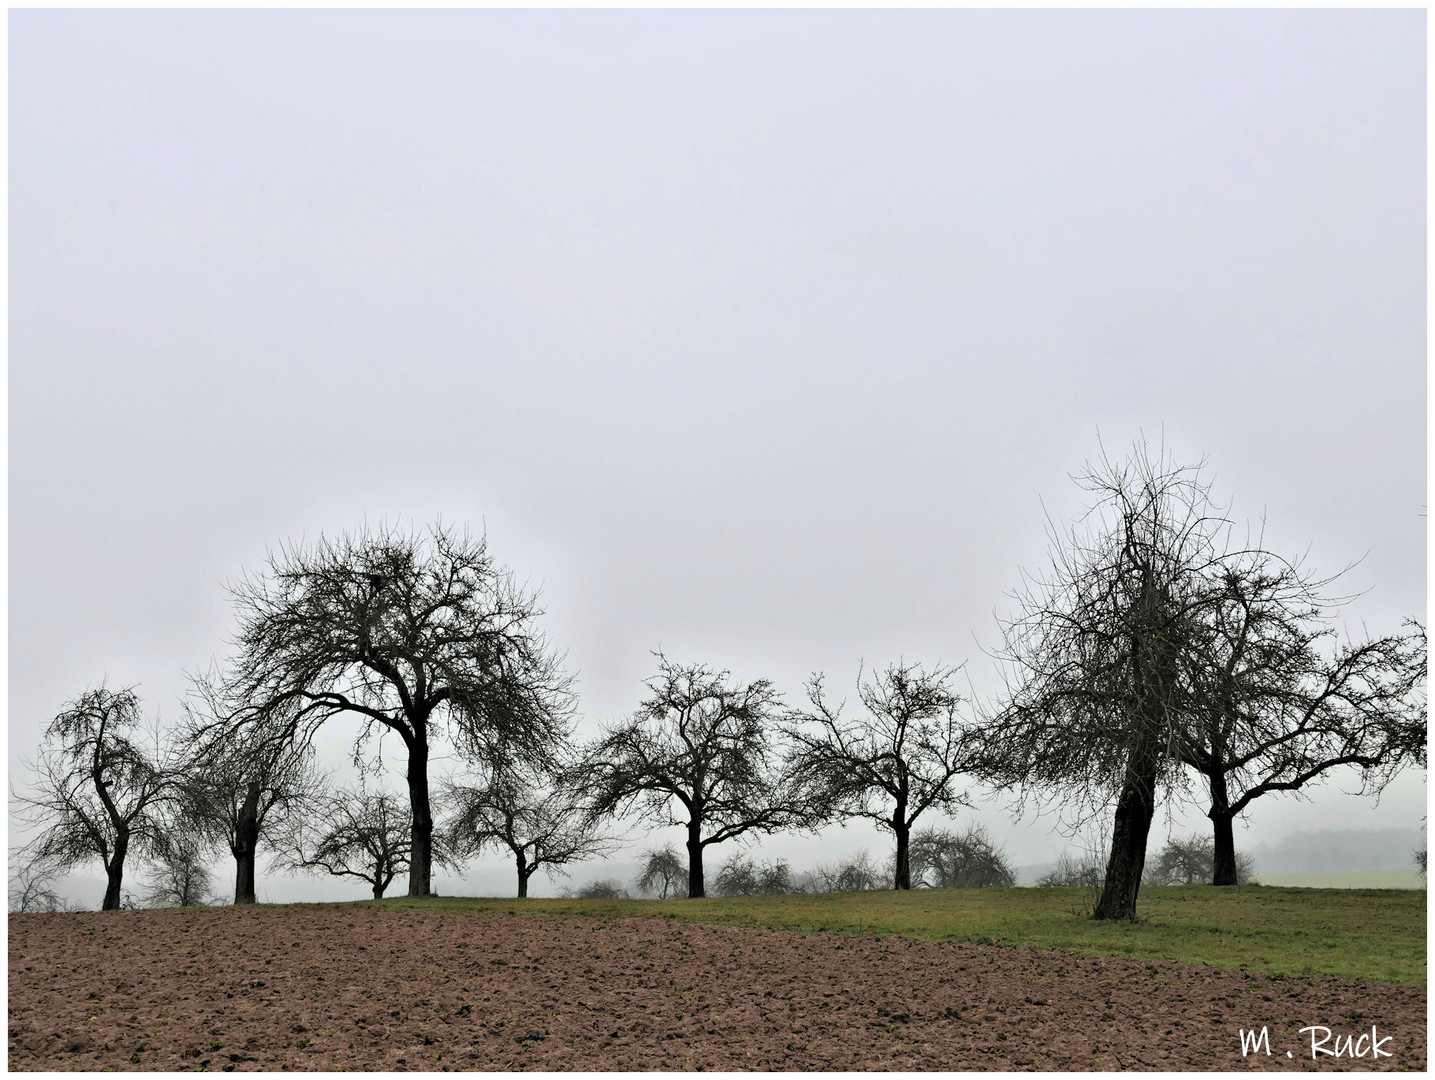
point(1087, 870)
point(606, 889)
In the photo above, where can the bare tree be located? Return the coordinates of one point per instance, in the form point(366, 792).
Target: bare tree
point(1086, 870)
point(855, 874)
point(354, 835)
point(1097, 701)
point(241, 788)
point(944, 859)
point(698, 754)
point(743, 876)
point(32, 885)
point(1277, 703)
point(421, 635)
point(538, 823)
point(663, 873)
point(892, 764)
point(604, 889)
point(101, 779)
point(181, 876)
point(1192, 861)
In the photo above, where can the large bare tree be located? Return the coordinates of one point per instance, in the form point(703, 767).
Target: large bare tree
point(891, 764)
point(1279, 701)
point(699, 752)
point(422, 635)
point(1098, 654)
point(102, 778)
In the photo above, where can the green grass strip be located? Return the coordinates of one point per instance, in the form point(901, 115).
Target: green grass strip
point(1376, 934)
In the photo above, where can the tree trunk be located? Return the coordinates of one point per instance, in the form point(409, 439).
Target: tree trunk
point(903, 878)
point(115, 872)
point(421, 836)
point(523, 874)
point(695, 862)
point(1222, 821)
point(246, 843)
point(1132, 825)
point(379, 886)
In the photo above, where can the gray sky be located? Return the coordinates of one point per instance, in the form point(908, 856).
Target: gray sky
point(760, 336)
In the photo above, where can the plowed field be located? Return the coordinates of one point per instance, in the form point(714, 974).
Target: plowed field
point(338, 987)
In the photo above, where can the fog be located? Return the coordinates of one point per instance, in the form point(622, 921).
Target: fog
point(767, 338)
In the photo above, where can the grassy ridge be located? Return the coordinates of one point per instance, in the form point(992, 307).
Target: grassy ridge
point(1363, 933)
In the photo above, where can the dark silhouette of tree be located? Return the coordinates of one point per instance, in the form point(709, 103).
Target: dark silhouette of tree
point(944, 859)
point(1278, 703)
point(890, 765)
point(664, 873)
point(239, 790)
point(101, 780)
point(354, 835)
point(1097, 702)
point(421, 635)
point(697, 753)
point(537, 823)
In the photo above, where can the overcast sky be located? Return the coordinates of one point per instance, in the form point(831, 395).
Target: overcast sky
point(760, 336)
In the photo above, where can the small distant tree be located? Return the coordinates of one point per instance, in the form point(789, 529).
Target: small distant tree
point(539, 825)
point(698, 753)
point(856, 874)
point(948, 860)
point(101, 780)
point(664, 874)
point(891, 765)
point(742, 876)
point(1191, 861)
point(1087, 871)
point(181, 876)
point(606, 889)
point(355, 835)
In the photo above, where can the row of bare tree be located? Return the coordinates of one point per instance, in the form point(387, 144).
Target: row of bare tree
point(1156, 648)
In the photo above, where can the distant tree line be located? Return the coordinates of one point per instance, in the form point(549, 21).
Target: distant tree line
point(1161, 655)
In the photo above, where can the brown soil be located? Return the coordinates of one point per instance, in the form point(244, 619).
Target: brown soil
point(367, 988)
